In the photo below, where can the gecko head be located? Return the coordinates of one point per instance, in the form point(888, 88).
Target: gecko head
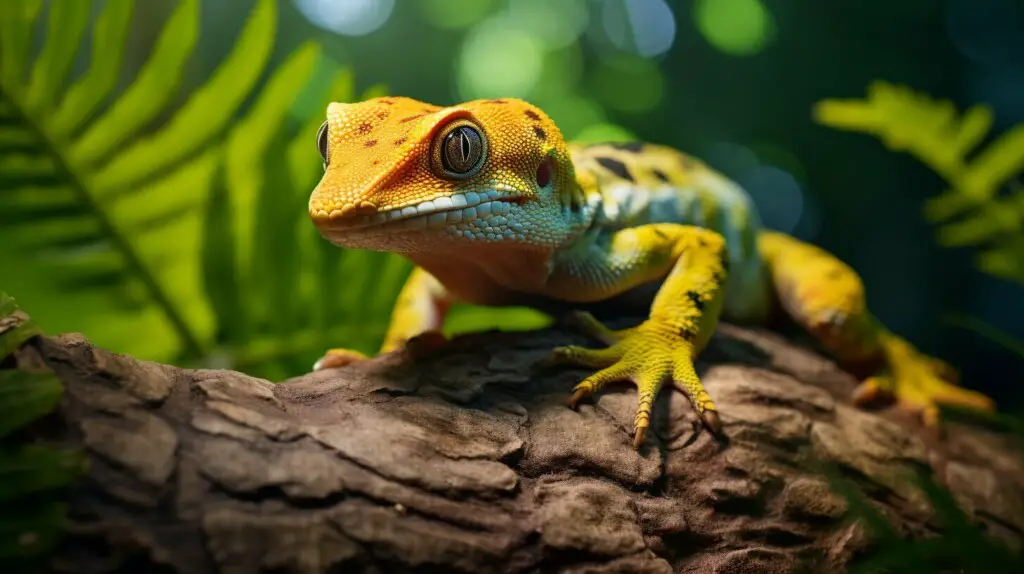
point(405, 176)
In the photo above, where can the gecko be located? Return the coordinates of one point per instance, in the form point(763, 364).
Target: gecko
point(494, 207)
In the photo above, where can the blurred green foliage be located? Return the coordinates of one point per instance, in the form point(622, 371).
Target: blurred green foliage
point(984, 205)
point(963, 546)
point(32, 475)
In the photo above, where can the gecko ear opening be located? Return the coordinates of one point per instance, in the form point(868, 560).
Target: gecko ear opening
point(545, 171)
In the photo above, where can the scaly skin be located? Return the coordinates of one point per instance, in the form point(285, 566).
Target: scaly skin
point(495, 208)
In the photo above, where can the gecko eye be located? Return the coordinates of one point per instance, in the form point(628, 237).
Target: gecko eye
point(321, 143)
point(459, 150)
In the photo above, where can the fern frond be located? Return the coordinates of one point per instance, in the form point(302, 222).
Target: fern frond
point(90, 205)
point(945, 141)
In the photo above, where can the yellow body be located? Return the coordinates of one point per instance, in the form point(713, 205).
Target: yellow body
point(495, 208)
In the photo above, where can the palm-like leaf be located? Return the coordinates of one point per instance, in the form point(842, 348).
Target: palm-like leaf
point(171, 242)
point(983, 206)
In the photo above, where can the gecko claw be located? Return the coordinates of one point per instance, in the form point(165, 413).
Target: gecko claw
point(638, 437)
point(713, 422)
point(580, 394)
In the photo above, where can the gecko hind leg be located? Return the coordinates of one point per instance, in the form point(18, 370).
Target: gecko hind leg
point(826, 297)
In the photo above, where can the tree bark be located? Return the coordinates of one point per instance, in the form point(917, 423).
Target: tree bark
point(470, 462)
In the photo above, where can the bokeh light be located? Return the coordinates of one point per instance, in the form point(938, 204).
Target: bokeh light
point(560, 74)
point(348, 17)
point(777, 194)
point(735, 27)
point(573, 113)
point(499, 61)
point(604, 132)
point(769, 179)
point(646, 27)
point(454, 14)
point(555, 23)
point(986, 31)
point(628, 83)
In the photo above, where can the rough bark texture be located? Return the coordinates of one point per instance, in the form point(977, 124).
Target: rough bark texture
point(469, 462)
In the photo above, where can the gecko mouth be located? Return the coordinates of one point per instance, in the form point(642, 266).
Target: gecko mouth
point(438, 213)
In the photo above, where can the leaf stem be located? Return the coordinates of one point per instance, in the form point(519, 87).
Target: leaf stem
point(190, 343)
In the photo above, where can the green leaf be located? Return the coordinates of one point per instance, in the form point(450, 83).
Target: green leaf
point(33, 469)
point(67, 22)
point(220, 264)
point(17, 20)
point(206, 113)
point(24, 397)
point(15, 327)
point(248, 142)
point(153, 89)
point(30, 532)
point(108, 40)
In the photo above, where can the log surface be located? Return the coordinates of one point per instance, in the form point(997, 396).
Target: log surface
point(470, 462)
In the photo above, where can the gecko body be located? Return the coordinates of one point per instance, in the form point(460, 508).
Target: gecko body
point(495, 208)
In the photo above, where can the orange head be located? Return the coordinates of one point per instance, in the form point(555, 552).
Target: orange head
point(405, 176)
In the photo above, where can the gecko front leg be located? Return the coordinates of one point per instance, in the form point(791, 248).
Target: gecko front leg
point(416, 322)
point(692, 261)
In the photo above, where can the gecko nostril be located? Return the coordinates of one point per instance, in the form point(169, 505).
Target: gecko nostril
point(544, 172)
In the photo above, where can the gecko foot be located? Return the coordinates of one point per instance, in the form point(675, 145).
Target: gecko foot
point(337, 358)
point(647, 356)
point(918, 384)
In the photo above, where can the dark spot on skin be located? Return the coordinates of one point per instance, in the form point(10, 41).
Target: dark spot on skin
point(660, 175)
point(375, 162)
point(660, 233)
point(695, 298)
point(497, 101)
point(702, 242)
point(370, 143)
point(365, 128)
point(399, 141)
point(628, 146)
point(383, 114)
point(532, 115)
point(615, 166)
point(428, 110)
point(688, 334)
point(540, 133)
point(387, 102)
point(410, 118)
point(718, 277)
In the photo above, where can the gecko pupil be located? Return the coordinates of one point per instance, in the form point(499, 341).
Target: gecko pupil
point(462, 150)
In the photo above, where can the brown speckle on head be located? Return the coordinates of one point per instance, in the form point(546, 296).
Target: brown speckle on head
point(386, 102)
point(403, 164)
point(382, 115)
point(497, 101)
point(660, 175)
